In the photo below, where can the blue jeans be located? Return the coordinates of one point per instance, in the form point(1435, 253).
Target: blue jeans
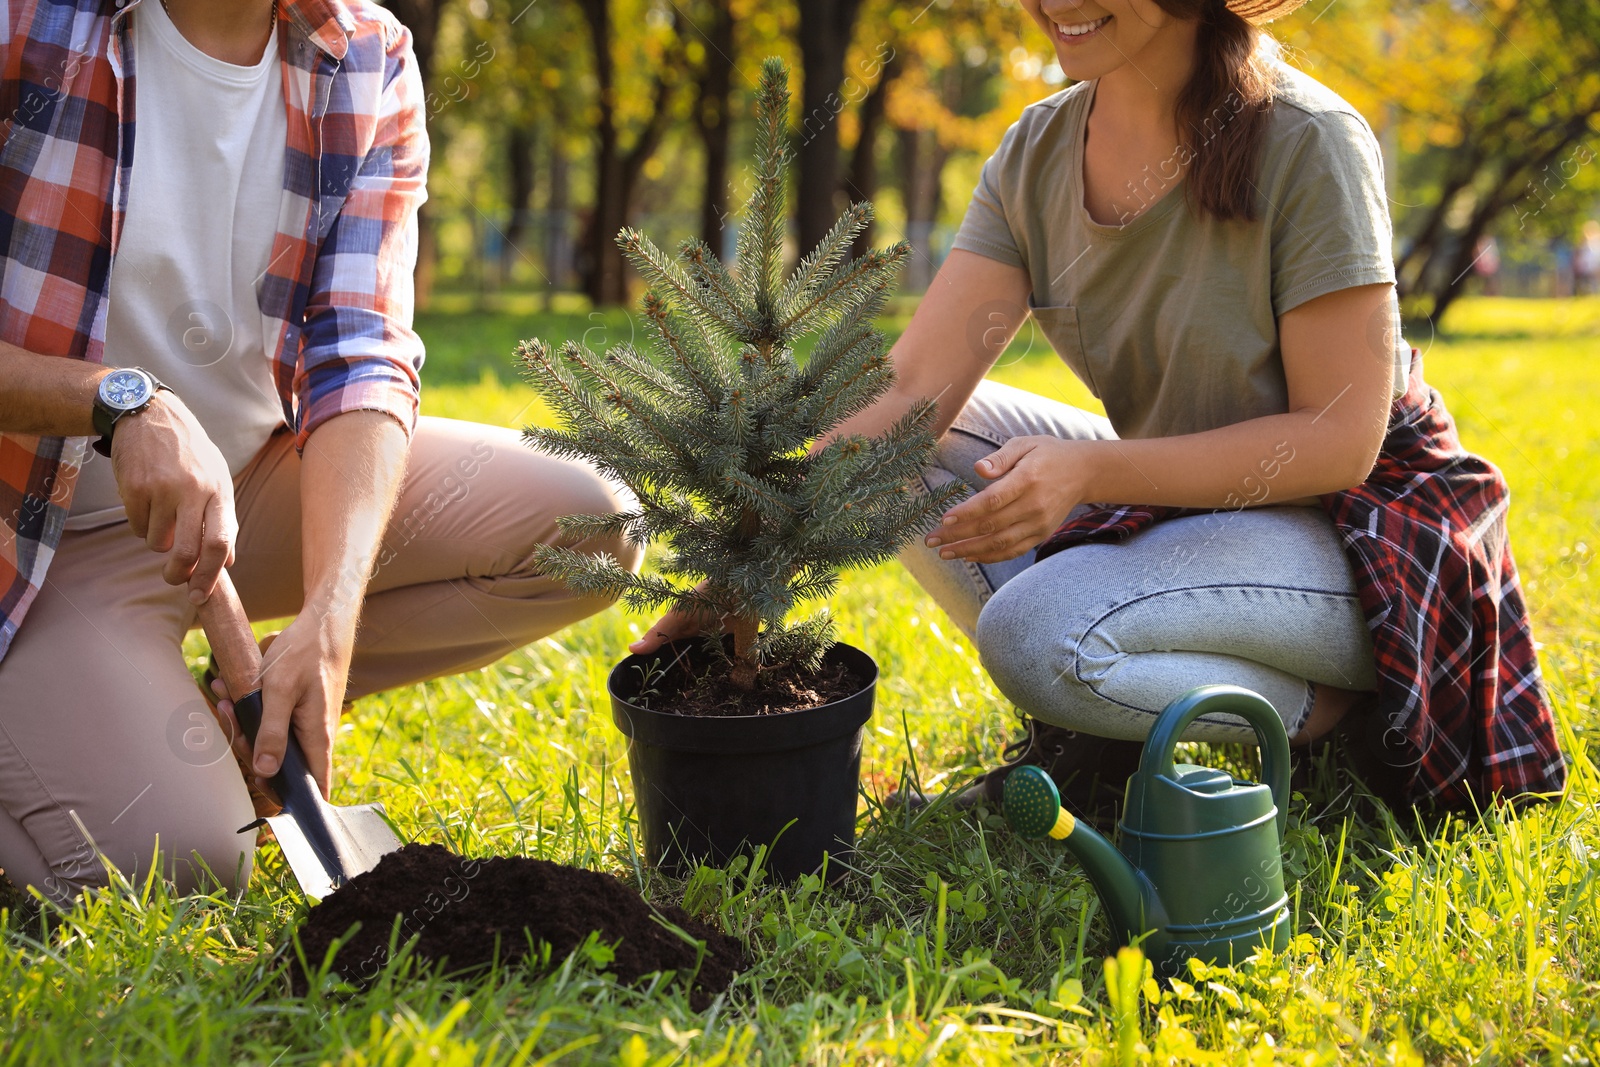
point(1100, 638)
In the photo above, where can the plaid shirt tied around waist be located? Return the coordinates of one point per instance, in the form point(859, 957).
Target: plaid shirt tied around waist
point(1457, 671)
point(336, 300)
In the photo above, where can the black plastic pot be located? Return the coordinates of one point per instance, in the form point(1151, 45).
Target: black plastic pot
point(709, 788)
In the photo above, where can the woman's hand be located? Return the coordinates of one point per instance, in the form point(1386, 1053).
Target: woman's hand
point(1037, 481)
point(177, 491)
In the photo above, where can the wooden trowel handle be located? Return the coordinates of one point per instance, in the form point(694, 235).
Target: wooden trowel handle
point(238, 659)
point(233, 645)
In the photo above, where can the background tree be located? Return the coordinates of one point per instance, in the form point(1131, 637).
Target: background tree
point(618, 167)
point(558, 122)
point(1490, 117)
point(529, 79)
point(968, 75)
point(710, 48)
point(422, 17)
point(826, 30)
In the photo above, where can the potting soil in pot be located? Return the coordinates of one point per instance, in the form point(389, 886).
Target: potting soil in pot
point(686, 689)
point(466, 911)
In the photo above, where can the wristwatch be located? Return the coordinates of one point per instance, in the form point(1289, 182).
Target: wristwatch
point(122, 392)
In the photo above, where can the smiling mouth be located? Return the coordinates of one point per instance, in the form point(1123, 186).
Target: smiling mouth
point(1078, 31)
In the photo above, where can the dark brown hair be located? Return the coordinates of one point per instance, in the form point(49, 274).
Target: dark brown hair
point(1223, 111)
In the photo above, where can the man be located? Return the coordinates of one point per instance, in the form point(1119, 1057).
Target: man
point(243, 253)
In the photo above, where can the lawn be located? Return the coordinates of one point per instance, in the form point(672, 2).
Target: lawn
point(1473, 941)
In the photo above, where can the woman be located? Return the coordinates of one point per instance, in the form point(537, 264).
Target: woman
point(1275, 499)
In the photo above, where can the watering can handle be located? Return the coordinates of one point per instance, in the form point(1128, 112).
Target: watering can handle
point(1232, 700)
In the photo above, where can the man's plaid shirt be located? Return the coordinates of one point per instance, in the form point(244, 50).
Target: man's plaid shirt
point(337, 296)
point(1458, 673)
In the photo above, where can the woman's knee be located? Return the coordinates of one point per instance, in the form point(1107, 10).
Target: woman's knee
point(1021, 644)
point(1052, 659)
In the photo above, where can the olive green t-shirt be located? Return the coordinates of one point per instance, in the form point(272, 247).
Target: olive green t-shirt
point(1171, 317)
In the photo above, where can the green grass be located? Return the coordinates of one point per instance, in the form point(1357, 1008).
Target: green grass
point(1472, 942)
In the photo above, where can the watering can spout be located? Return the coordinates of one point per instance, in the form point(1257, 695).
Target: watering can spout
point(1130, 900)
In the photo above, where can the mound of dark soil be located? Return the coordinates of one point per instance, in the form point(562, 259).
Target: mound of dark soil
point(465, 913)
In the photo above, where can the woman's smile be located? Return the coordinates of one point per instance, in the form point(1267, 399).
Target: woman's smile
point(1092, 38)
point(1072, 33)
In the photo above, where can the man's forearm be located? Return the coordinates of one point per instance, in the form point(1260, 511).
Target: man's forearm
point(46, 395)
point(350, 476)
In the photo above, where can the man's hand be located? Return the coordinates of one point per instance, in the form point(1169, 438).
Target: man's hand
point(177, 491)
point(302, 685)
point(349, 477)
point(1037, 481)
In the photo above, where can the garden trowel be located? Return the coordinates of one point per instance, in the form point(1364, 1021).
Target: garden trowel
point(325, 844)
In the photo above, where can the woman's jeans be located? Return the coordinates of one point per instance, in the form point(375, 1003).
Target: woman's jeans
point(1101, 637)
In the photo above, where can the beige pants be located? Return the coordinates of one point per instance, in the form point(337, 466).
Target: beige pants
point(103, 731)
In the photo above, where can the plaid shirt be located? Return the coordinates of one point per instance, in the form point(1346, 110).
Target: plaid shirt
point(336, 299)
point(1457, 673)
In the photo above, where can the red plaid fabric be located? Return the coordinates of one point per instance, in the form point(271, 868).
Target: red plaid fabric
point(1457, 672)
point(337, 297)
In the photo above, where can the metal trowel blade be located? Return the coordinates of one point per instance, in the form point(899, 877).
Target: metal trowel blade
point(364, 837)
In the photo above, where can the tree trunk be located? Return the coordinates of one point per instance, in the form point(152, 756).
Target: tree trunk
point(558, 241)
point(744, 629)
point(421, 17)
point(603, 279)
point(616, 172)
point(1411, 267)
point(862, 184)
point(1437, 264)
point(1504, 194)
point(922, 161)
point(712, 121)
point(825, 30)
point(521, 147)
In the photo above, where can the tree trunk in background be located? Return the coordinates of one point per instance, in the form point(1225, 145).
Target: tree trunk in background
point(862, 182)
point(617, 172)
point(712, 120)
point(558, 240)
point(825, 30)
point(1440, 260)
point(421, 17)
point(922, 161)
point(602, 267)
point(521, 146)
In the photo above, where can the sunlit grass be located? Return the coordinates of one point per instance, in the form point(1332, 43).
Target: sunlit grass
point(1474, 941)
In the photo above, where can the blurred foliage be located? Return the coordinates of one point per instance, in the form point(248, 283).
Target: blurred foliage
point(1485, 109)
point(1490, 115)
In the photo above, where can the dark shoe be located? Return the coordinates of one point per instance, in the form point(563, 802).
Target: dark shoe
point(1383, 758)
point(1091, 772)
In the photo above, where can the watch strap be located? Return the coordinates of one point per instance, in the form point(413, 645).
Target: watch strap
point(104, 419)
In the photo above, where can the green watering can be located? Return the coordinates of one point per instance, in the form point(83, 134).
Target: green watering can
point(1200, 872)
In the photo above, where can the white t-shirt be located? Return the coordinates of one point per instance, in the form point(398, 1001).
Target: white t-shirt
point(203, 204)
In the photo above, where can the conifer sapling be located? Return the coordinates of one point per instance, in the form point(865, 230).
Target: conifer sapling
point(718, 430)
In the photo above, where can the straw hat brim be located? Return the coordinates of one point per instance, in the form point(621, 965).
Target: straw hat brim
point(1259, 11)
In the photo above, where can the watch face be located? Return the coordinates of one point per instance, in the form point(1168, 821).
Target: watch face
point(124, 390)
